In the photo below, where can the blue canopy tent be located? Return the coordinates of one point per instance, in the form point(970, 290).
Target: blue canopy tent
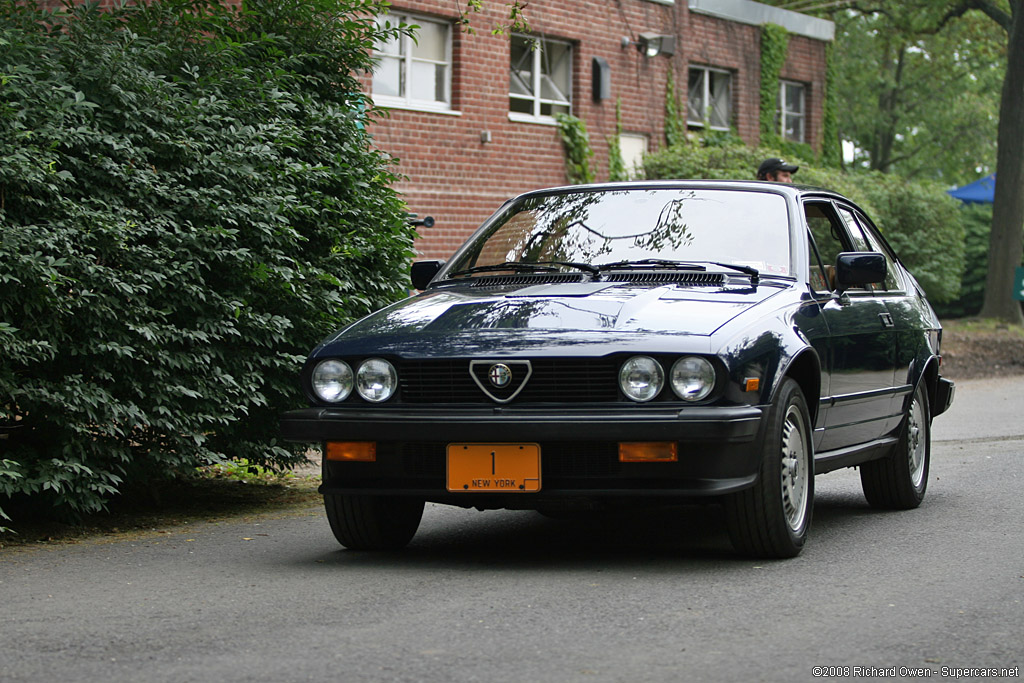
point(981, 191)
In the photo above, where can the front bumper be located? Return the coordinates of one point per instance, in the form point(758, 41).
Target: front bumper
point(699, 423)
point(718, 449)
point(944, 392)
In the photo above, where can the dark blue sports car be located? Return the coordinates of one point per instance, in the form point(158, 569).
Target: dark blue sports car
point(635, 343)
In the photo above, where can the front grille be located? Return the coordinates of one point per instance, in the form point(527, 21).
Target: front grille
point(552, 381)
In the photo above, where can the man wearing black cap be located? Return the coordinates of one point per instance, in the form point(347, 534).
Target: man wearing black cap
point(776, 170)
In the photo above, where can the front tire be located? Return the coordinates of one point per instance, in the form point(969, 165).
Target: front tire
point(373, 522)
point(772, 518)
point(898, 482)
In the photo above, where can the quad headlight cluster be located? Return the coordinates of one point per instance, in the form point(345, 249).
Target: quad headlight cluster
point(375, 380)
point(642, 378)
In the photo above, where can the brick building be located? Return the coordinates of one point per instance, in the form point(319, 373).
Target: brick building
point(471, 115)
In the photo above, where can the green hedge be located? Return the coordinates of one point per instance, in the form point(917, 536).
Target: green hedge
point(189, 202)
point(977, 226)
point(921, 222)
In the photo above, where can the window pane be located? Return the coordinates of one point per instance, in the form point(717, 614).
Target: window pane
point(794, 98)
point(387, 77)
point(695, 97)
point(550, 91)
point(521, 74)
point(794, 129)
point(520, 106)
point(427, 82)
point(431, 41)
point(721, 99)
point(827, 236)
point(394, 45)
point(548, 109)
point(556, 61)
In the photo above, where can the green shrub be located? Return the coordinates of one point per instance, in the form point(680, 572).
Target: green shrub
point(977, 220)
point(188, 203)
point(921, 222)
point(576, 143)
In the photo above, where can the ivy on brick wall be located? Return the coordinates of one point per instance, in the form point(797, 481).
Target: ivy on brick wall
point(578, 153)
point(616, 164)
point(774, 45)
point(675, 123)
point(831, 147)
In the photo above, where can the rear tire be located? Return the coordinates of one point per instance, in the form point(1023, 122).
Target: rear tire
point(772, 518)
point(373, 522)
point(898, 482)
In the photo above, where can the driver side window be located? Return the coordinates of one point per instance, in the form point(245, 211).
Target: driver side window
point(826, 235)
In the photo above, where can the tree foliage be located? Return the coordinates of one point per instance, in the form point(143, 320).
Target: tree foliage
point(188, 203)
point(932, 74)
point(921, 222)
point(919, 101)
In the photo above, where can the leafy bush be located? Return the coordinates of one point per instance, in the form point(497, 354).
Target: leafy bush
point(977, 222)
point(188, 203)
point(921, 222)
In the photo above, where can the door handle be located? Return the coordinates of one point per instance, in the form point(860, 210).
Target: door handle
point(887, 320)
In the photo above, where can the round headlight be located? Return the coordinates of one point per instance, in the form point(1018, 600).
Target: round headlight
point(693, 378)
point(641, 378)
point(376, 380)
point(332, 381)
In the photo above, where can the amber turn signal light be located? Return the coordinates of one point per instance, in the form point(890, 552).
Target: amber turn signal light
point(648, 451)
point(352, 451)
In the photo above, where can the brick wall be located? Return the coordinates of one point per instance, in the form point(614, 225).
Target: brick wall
point(460, 180)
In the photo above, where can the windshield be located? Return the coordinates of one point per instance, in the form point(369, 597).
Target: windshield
point(598, 228)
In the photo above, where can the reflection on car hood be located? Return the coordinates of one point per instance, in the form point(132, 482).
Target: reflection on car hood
point(585, 310)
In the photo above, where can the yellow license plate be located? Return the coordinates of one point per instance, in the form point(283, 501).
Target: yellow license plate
point(494, 467)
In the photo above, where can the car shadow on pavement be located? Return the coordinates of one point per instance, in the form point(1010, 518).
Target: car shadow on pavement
point(518, 540)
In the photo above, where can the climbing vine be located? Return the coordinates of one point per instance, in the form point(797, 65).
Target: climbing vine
point(675, 124)
point(578, 153)
point(616, 164)
point(774, 45)
point(831, 148)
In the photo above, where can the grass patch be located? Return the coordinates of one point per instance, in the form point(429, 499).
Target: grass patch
point(219, 492)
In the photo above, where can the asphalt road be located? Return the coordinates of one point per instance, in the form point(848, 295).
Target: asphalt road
point(512, 596)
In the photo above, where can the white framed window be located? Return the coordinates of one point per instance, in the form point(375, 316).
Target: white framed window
point(709, 98)
point(414, 72)
point(791, 114)
point(540, 79)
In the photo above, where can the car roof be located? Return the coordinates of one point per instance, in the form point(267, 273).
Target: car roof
point(788, 189)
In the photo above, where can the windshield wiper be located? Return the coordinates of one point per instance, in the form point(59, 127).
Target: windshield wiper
point(754, 273)
point(527, 267)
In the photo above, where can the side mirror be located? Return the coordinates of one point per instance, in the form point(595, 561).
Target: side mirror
point(424, 271)
point(858, 269)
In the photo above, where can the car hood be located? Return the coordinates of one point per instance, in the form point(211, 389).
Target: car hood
point(509, 321)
